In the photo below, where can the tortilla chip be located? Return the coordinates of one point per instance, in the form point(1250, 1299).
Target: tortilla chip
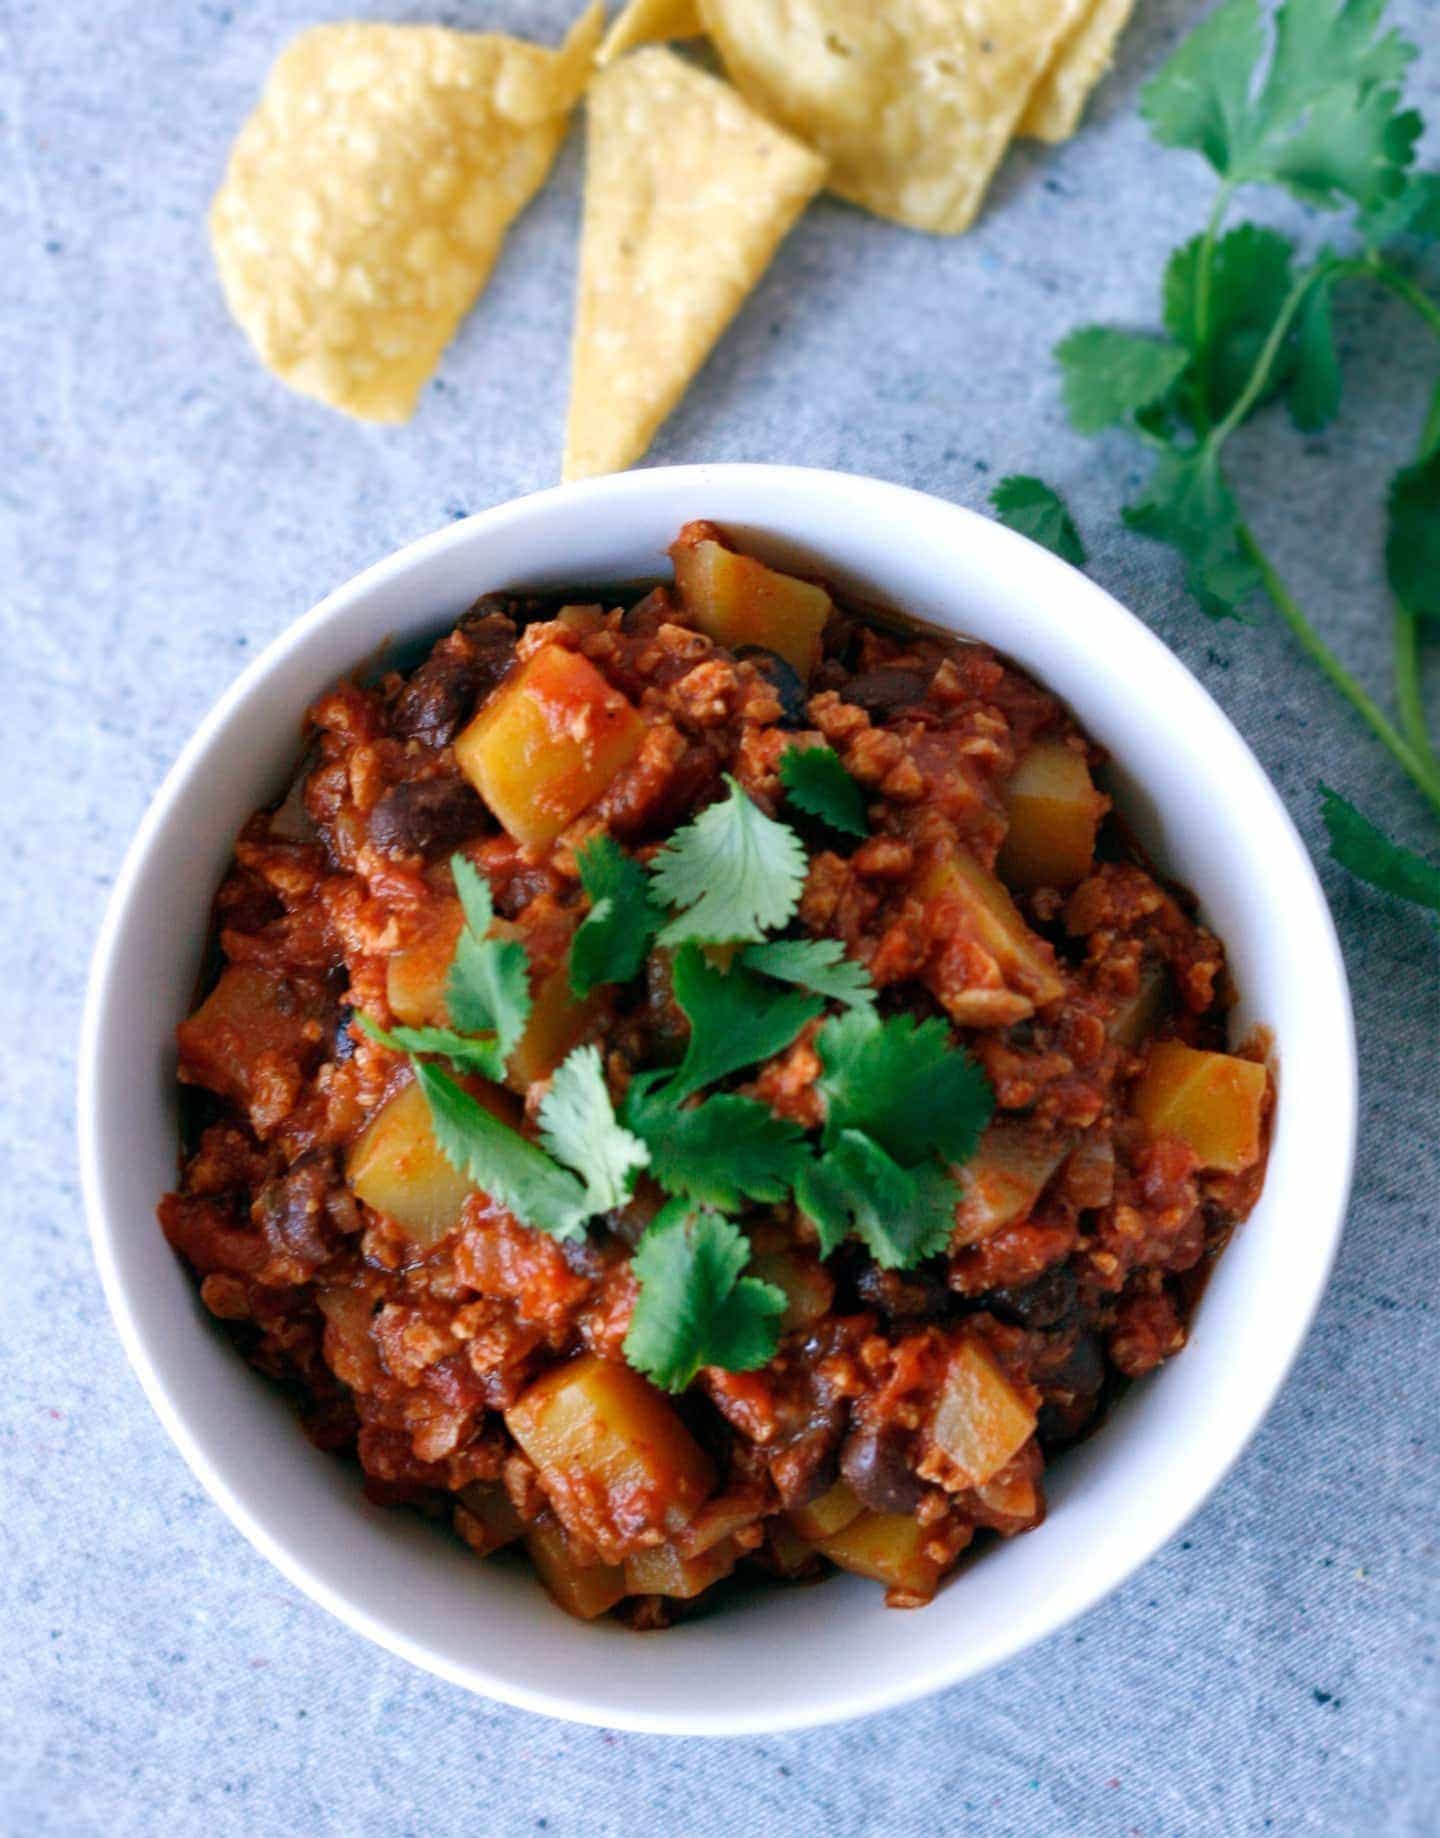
point(369, 194)
point(688, 195)
point(1081, 59)
point(913, 102)
point(644, 21)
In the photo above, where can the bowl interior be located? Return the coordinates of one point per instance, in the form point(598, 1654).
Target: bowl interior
point(1206, 812)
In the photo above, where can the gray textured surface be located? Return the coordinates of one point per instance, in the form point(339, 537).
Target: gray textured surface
point(165, 509)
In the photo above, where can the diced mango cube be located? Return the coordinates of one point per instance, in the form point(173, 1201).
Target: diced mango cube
point(415, 977)
point(612, 1454)
point(1141, 1013)
point(831, 1513)
point(981, 1422)
point(737, 601)
point(1054, 812)
point(974, 902)
point(661, 1569)
point(558, 1020)
point(1005, 1177)
point(582, 1590)
point(890, 1547)
point(548, 743)
point(808, 1287)
point(1213, 1102)
point(396, 1167)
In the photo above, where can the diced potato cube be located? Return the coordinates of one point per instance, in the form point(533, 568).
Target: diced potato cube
point(737, 601)
point(1011, 1494)
point(1005, 1177)
point(548, 743)
point(661, 1569)
point(890, 1547)
point(249, 1016)
point(612, 1454)
point(981, 910)
point(1054, 811)
point(583, 1590)
point(415, 978)
point(558, 1019)
point(490, 1517)
point(415, 981)
point(809, 1288)
point(981, 1422)
point(396, 1167)
point(831, 1513)
point(1212, 1101)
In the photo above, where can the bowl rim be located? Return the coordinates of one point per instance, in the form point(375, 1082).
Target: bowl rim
point(856, 1698)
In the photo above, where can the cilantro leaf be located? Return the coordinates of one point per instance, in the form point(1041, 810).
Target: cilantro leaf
point(1038, 511)
point(694, 1307)
point(1315, 380)
point(736, 873)
point(1188, 505)
point(1413, 211)
point(513, 1171)
point(904, 1215)
point(1200, 99)
point(610, 944)
point(736, 1019)
point(1357, 844)
point(1250, 281)
point(719, 1153)
point(488, 989)
point(820, 964)
point(902, 1083)
point(578, 1127)
point(1109, 375)
point(820, 786)
point(1324, 122)
point(1412, 545)
point(463, 1050)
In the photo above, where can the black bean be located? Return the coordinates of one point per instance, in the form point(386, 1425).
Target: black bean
point(783, 679)
point(1039, 1304)
point(426, 817)
point(343, 1044)
point(904, 1295)
point(807, 1466)
point(464, 667)
point(883, 691)
point(291, 1209)
point(876, 1463)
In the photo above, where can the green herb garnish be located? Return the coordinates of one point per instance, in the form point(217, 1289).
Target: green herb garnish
point(1038, 511)
point(488, 989)
point(903, 1214)
point(578, 1127)
point(733, 875)
point(818, 784)
point(720, 1153)
point(902, 1083)
point(613, 938)
point(1313, 105)
point(820, 964)
point(695, 1308)
point(1369, 854)
point(736, 1019)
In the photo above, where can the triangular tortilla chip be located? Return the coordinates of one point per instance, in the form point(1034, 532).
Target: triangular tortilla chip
point(913, 102)
point(688, 194)
point(369, 194)
point(643, 22)
point(1081, 59)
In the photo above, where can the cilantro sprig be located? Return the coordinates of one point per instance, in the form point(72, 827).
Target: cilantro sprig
point(694, 1307)
point(612, 940)
point(720, 1153)
point(1038, 511)
point(818, 784)
point(1309, 100)
point(732, 875)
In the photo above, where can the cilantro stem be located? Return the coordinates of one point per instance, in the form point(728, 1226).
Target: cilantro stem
point(1408, 699)
point(1403, 288)
point(1204, 269)
point(1418, 766)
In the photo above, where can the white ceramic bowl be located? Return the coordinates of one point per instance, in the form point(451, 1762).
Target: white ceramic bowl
point(788, 1658)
